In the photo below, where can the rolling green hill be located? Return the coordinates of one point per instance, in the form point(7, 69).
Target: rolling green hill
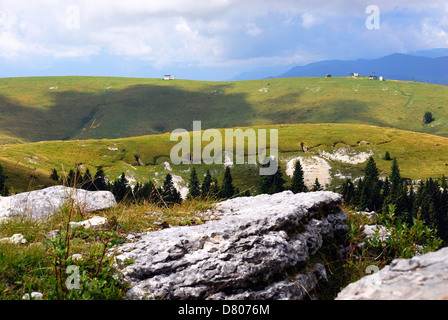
point(62, 108)
point(340, 150)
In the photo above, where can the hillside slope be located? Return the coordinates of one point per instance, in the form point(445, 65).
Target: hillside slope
point(331, 152)
point(64, 108)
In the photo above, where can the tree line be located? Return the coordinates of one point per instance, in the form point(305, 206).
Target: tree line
point(167, 193)
point(427, 200)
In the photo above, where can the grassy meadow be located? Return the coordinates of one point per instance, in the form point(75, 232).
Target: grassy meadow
point(61, 108)
point(419, 155)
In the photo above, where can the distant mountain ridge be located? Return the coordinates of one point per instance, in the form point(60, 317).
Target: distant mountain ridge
point(396, 66)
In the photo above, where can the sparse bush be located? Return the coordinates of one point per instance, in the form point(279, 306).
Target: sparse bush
point(405, 240)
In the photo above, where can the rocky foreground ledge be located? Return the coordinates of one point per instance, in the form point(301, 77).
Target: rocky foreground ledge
point(255, 248)
point(422, 277)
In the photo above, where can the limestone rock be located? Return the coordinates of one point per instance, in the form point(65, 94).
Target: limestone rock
point(93, 223)
point(41, 204)
point(34, 296)
point(371, 230)
point(15, 239)
point(257, 248)
point(422, 277)
point(370, 215)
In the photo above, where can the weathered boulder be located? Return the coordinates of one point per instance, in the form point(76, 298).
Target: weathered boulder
point(256, 248)
point(41, 204)
point(422, 277)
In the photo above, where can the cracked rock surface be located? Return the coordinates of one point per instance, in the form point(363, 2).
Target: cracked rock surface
point(422, 277)
point(257, 248)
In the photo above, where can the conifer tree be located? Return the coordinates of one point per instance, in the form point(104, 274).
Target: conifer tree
point(227, 188)
point(271, 184)
point(137, 193)
point(206, 185)
point(371, 188)
point(148, 192)
point(170, 194)
point(70, 178)
point(298, 183)
point(348, 191)
point(386, 188)
point(87, 181)
point(121, 188)
point(3, 188)
point(194, 191)
point(74, 178)
point(317, 186)
point(278, 181)
point(215, 190)
point(395, 180)
point(100, 182)
point(54, 175)
point(265, 182)
point(387, 156)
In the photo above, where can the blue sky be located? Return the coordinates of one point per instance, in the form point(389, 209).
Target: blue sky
point(205, 40)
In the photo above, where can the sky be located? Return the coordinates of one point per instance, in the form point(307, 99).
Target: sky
point(207, 39)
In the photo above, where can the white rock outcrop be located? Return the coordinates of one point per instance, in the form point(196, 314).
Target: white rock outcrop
point(34, 296)
point(257, 248)
point(422, 277)
point(15, 239)
point(41, 204)
point(93, 223)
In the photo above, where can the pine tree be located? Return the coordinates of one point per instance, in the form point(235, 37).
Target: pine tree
point(298, 183)
point(137, 193)
point(348, 191)
point(395, 180)
point(54, 175)
point(74, 178)
point(215, 190)
point(3, 188)
point(317, 186)
point(271, 184)
point(70, 178)
point(87, 181)
point(121, 188)
point(100, 182)
point(149, 192)
point(194, 191)
point(206, 185)
point(265, 182)
point(387, 156)
point(170, 195)
point(227, 188)
point(370, 193)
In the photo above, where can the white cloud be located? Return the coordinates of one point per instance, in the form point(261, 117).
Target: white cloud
point(253, 30)
point(194, 32)
point(433, 36)
point(308, 20)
